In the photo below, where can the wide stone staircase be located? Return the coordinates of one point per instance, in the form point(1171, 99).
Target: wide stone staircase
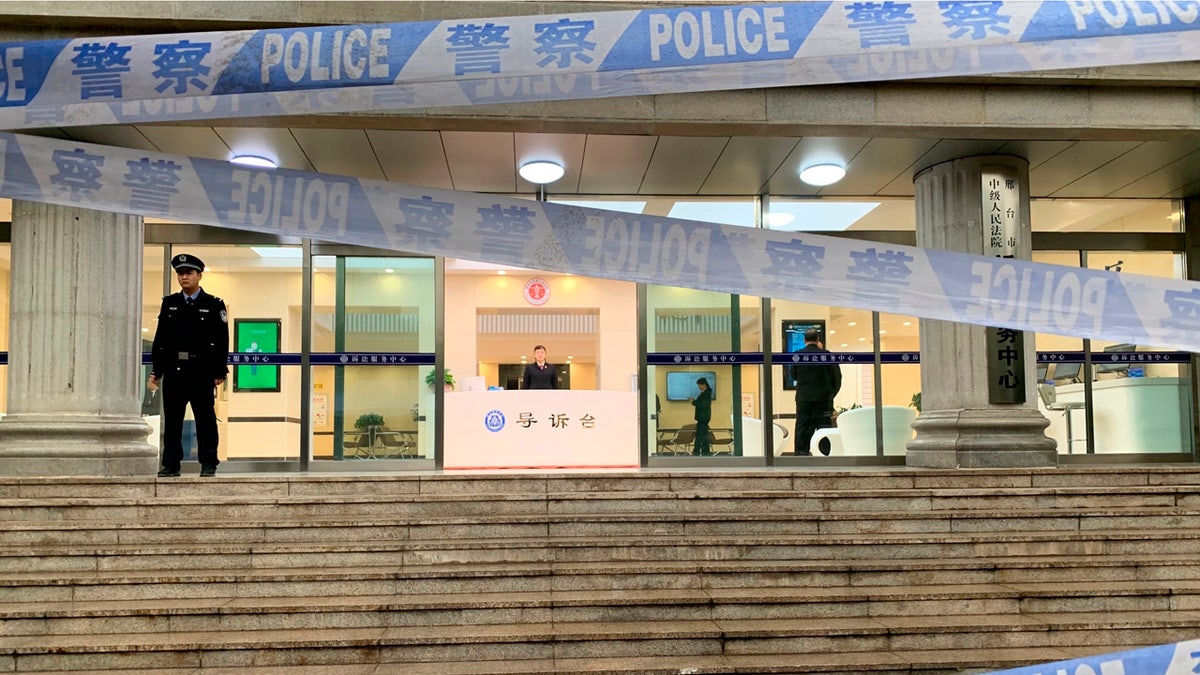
point(807, 571)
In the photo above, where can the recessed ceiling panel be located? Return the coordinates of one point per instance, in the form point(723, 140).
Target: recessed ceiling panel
point(681, 164)
point(277, 145)
point(746, 164)
point(880, 162)
point(1035, 152)
point(120, 137)
point(346, 152)
point(1073, 163)
point(1130, 168)
point(565, 149)
point(412, 157)
point(190, 141)
point(945, 150)
point(615, 165)
point(812, 150)
point(1171, 180)
point(481, 161)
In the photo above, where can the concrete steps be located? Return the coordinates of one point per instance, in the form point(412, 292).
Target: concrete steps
point(888, 571)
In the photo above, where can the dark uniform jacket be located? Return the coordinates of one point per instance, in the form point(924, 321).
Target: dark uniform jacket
point(703, 404)
point(194, 338)
point(539, 378)
point(817, 383)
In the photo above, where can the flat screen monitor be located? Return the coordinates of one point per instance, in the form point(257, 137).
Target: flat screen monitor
point(1067, 371)
point(681, 384)
point(1103, 365)
point(793, 341)
point(1041, 372)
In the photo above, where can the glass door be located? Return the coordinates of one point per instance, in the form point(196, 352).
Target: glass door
point(372, 362)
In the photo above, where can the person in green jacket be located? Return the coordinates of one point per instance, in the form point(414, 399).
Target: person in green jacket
point(703, 404)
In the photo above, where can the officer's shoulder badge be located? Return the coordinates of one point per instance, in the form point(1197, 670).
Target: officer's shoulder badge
point(224, 318)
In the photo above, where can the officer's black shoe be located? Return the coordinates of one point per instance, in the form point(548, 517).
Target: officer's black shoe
point(208, 471)
point(168, 473)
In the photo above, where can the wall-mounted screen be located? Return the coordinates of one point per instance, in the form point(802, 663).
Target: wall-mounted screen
point(793, 341)
point(256, 336)
point(681, 384)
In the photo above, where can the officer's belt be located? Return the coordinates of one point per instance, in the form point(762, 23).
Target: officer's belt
point(188, 356)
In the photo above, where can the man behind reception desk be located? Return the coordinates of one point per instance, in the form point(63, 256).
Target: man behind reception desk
point(539, 374)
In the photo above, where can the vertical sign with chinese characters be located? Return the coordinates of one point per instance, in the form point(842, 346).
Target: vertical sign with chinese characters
point(1001, 207)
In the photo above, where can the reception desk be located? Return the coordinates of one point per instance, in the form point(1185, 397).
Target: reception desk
point(541, 429)
point(1132, 415)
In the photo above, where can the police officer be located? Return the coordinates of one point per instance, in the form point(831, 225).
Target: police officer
point(191, 348)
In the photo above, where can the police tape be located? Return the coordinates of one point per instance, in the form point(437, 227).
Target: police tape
point(607, 244)
point(210, 75)
point(1181, 658)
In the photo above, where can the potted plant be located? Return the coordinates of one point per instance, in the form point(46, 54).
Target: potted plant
point(916, 401)
point(370, 423)
point(448, 380)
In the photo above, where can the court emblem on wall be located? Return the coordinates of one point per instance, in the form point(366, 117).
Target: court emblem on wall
point(537, 291)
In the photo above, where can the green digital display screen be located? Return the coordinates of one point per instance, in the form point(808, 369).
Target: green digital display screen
point(252, 337)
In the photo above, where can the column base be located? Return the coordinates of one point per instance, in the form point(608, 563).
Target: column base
point(988, 438)
point(75, 445)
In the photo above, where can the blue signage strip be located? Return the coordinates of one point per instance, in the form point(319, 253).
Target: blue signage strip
point(852, 358)
point(316, 359)
point(1008, 293)
point(1099, 358)
point(704, 359)
point(578, 55)
point(1181, 658)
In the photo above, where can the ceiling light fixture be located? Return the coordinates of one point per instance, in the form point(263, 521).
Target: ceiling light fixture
point(822, 174)
point(541, 171)
point(779, 218)
point(254, 160)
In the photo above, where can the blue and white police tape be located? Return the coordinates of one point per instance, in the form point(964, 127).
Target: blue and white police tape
point(211, 75)
point(607, 244)
point(1181, 658)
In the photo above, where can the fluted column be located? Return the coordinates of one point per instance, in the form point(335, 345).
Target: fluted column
point(74, 376)
point(958, 425)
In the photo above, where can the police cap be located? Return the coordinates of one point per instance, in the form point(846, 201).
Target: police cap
point(183, 261)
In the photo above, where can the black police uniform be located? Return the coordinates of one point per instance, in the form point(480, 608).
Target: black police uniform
point(191, 349)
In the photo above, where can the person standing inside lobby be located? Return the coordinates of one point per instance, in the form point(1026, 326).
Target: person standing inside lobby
point(190, 352)
point(702, 445)
point(539, 374)
point(816, 385)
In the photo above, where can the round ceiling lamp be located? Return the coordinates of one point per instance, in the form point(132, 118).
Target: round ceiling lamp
point(822, 174)
point(254, 160)
point(541, 171)
point(779, 218)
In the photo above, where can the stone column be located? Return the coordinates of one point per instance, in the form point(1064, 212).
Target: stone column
point(958, 426)
point(74, 376)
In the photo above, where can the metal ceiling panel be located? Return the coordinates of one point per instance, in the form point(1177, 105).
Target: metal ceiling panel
point(1036, 152)
point(121, 137)
point(1073, 163)
point(347, 152)
point(191, 141)
point(881, 161)
point(1130, 168)
point(566, 149)
point(681, 164)
point(945, 150)
point(277, 145)
point(1177, 179)
point(746, 164)
point(412, 157)
point(615, 165)
point(481, 161)
point(812, 150)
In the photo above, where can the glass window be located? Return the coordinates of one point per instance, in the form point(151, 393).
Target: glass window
point(1105, 215)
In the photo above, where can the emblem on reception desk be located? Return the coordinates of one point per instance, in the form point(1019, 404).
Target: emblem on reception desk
point(493, 420)
point(537, 291)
